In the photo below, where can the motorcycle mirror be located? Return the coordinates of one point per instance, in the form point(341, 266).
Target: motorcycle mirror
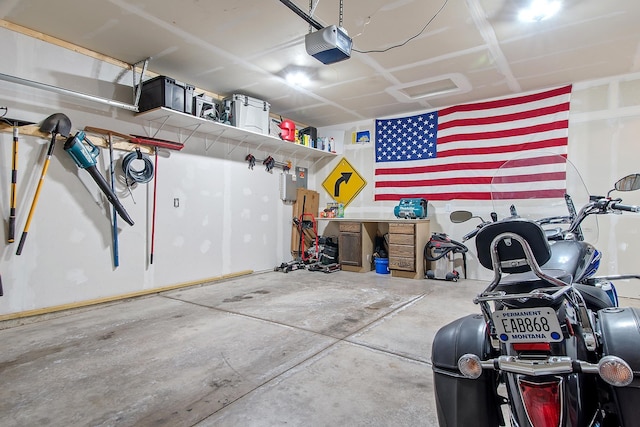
point(460, 216)
point(628, 183)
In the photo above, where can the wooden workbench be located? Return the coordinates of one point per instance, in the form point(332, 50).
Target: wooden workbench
point(356, 237)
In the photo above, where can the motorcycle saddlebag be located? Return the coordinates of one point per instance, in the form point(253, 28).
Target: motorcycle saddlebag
point(620, 329)
point(461, 401)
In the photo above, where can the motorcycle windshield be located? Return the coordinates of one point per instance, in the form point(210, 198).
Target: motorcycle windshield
point(535, 187)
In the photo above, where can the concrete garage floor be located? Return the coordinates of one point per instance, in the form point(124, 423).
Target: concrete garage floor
point(300, 349)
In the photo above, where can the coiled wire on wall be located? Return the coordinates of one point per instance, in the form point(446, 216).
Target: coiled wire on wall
point(134, 175)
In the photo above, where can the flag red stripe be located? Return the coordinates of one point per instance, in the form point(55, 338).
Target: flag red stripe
point(440, 168)
point(535, 194)
point(529, 130)
point(537, 161)
point(505, 117)
point(440, 181)
point(530, 161)
point(478, 180)
point(488, 105)
point(513, 179)
point(485, 195)
point(432, 197)
point(549, 143)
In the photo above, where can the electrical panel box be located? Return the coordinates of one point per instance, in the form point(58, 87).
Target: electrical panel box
point(288, 187)
point(301, 176)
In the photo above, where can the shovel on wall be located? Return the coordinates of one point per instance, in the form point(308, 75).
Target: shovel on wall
point(56, 124)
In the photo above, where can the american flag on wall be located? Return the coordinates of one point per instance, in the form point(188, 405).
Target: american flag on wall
point(454, 153)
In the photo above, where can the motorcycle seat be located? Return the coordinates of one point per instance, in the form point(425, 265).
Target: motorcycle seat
point(522, 283)
point(595, 298)
point(530, 276)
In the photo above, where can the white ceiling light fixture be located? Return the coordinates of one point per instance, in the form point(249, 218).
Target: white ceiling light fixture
point(298, 78)
point(298, 75)
point(539, 10)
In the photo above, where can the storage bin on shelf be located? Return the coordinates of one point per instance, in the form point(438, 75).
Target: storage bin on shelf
point(163, 91)
point(249, 113)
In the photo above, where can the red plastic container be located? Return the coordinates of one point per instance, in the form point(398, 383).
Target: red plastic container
point(288, 130)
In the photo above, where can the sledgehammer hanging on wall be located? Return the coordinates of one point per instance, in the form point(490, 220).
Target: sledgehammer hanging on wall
point(86, 160)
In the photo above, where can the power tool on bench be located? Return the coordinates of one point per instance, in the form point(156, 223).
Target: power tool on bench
point(411, 208)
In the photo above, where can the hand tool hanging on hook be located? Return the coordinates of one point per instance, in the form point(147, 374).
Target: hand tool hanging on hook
point(269, 163)
point(15, 126)
point(14, 179)
point(86, 160)
point(114, 217)
point(137, 139)
point(155, 195)
point(56, 124)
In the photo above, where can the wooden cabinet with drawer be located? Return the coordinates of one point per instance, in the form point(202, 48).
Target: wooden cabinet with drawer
point(355, 245)
point(356, 238)
point(406, 246)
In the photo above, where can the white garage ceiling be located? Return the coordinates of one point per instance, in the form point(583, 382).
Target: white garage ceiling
point(471, 49)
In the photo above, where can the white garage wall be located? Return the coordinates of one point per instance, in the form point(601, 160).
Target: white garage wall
point(604, 132)
point(230, 219)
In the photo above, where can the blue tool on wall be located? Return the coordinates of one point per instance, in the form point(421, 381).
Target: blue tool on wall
point(86, 160)
point(411, 209)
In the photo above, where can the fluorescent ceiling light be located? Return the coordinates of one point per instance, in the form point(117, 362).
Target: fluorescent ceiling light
point(539, 10)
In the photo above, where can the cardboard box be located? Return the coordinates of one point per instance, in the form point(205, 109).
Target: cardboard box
point(311, 201)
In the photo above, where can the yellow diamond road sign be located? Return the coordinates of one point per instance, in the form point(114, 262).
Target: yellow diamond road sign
point(344, 183)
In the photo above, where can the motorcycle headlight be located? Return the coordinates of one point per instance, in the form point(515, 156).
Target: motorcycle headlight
point(614, 371)
point(470, 366)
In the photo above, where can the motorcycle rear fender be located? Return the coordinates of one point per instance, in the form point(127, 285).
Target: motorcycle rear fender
point(620, 331)
point(461, 401)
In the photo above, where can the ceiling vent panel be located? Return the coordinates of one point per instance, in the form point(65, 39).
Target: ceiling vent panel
point(450, 84)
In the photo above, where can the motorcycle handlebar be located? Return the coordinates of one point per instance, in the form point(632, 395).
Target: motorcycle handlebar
point(472, 233)
point(627, 208)
point(599, 206)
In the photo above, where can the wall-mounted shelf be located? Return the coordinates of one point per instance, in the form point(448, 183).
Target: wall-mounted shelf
point(161, 118)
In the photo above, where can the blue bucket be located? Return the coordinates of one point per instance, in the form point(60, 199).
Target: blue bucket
point(382, 265)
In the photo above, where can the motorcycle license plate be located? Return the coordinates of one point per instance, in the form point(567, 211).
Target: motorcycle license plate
point(527, 325)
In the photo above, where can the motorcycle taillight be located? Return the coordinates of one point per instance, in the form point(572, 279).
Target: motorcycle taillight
point(532, 346)
point(542, 402)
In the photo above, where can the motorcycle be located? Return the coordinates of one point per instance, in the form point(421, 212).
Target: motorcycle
point(551, 342)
